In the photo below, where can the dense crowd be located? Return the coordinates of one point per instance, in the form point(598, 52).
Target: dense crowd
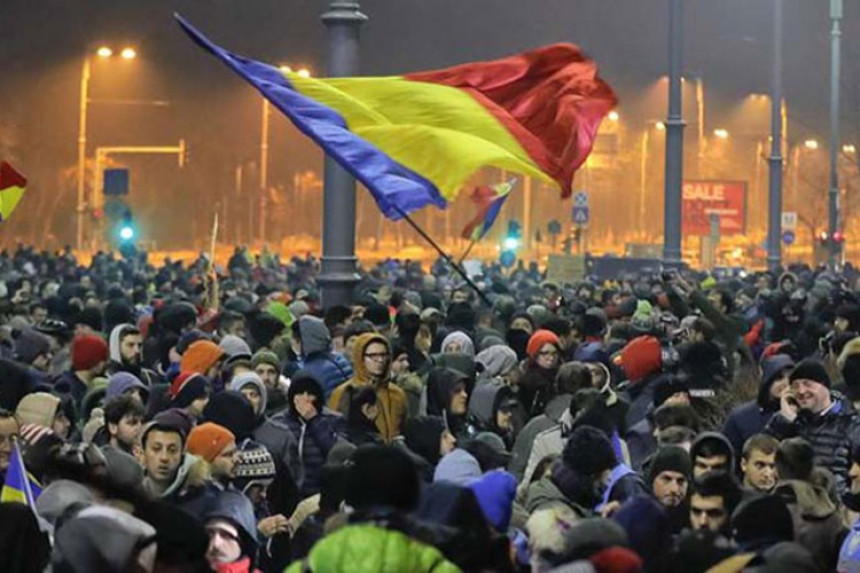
point(177, 417)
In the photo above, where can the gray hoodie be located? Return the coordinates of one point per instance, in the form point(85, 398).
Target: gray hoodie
point(314, 336)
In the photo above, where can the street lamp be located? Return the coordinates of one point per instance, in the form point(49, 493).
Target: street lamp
point(811, 144)
point(613, 116)
point(849, 148)
point(721, 133)
point(103, 52)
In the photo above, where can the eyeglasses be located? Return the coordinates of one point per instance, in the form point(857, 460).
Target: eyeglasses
point(379, 356)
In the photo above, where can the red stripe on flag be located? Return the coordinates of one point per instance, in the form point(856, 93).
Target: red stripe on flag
point(9, 177)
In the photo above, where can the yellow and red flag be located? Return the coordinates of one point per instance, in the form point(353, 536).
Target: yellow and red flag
point(12, 187)
point(415, 140)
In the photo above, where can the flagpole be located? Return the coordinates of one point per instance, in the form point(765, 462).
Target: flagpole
point(445, 256)
point(466, 253)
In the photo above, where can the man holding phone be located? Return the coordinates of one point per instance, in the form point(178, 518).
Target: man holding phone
point(829, 423)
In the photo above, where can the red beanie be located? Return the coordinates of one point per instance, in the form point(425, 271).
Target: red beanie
point(87, 351)
point(209, 440)
point(538, 339)
point(642, 356)
point(616, 560)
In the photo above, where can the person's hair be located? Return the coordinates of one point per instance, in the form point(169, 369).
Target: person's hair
point(123, 405)
point(358, 397)
point(795, 459)
point(356, 328)
point(760, 443)
point(164, 429)
point(669, 415)
point(572, 376)
point(705, 327)
point(675, 435)
point(129, 331)
point(727, 300)
point(37, 305)
point(710, 448)
point(228, 318)
point(560, 326)
point(540, 468)
point(337, 314)
point(718, 484)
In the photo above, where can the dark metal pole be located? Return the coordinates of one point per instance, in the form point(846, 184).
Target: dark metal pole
point(338, 274)
point(774, 162)
point(835, 147)
point(674, 140)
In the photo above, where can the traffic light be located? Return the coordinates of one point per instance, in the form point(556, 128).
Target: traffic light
point(126, 228)
point(835, 242)
point(512, 239)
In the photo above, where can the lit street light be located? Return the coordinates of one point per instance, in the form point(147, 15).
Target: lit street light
point(613, 116)
point(103, 52)
point(721, 133)
point(849, 148)
point(811, 144)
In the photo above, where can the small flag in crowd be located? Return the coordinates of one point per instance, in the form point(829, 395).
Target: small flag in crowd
point(489, 201)
point(20, 486)
point(12, 187)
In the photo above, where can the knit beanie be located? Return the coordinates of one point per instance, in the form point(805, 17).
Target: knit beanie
point(589, 452)
point(764, 518)
point(209, 440)
point(122, 382)
point(669, 459)
point(186, 388)
point(200, 357)
point(495, 491)
point(265, 357)
point(87, 351)
point(642, 356)
point(256, 466)
point(810, 370)
point(174, 419)
point(235, 348)
point(30, 344)
point(537, 341)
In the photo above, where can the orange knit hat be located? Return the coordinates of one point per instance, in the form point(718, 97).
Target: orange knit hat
point(209, 440)
point(200, 357)
point(538, 339)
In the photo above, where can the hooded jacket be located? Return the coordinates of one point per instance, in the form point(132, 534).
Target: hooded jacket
point(314, 438)
point(117, 364)
point(817, 522)
point(712, 436)
point(236, 508)
point(750, 418)
point(274, 435)
point(551, 417)
point(484, 403)
point(441, 384)
point(331, 368)
point(39, 408)
point(192, 472)
point(391, 399)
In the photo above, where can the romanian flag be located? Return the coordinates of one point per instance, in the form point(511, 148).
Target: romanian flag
point(12, 187)
point(415, 140)
point(489, 201)
point(20, 486)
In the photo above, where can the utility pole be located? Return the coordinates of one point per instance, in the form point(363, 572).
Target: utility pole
point(82, 152)
point(833, 198)
point(774, 162)
point(674, 140)
point(338, 274)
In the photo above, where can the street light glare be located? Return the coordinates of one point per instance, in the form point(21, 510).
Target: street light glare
point(660, 126)
point(721, 133)
point(810, 144)
point(304, 73)
point(613, 116)
point(849, 148)
point(128, 54)
point(104, 52)
point(285, 69)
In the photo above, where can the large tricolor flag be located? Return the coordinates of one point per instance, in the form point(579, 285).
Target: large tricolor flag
point(19, 486)
point(12, 187)
point(414, 140)
point(489, 201)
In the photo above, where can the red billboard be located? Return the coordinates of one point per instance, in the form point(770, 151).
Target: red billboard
point(701, 199)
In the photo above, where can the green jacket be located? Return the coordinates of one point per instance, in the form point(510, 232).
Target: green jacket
point(363, 548)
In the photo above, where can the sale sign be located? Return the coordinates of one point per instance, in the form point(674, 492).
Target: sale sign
point(702, 199)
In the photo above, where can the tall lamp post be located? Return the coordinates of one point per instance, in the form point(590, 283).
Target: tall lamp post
point(674, 141)
point(338, 274)
point(833, 196)
point(104, 52)
point(774, 162)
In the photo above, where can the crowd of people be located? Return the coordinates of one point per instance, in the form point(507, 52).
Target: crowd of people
point(184, 417)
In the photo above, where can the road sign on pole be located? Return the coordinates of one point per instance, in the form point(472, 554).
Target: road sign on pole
point(581, 210)
point(789, 221)
point(788, 237)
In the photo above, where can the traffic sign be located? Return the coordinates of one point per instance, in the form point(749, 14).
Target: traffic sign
point(553, 227)
point(115, 182)
point(580, 208)
point(789, 221)
point(788, 237)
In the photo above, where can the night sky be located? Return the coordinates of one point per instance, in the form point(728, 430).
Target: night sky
point(728, 43)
